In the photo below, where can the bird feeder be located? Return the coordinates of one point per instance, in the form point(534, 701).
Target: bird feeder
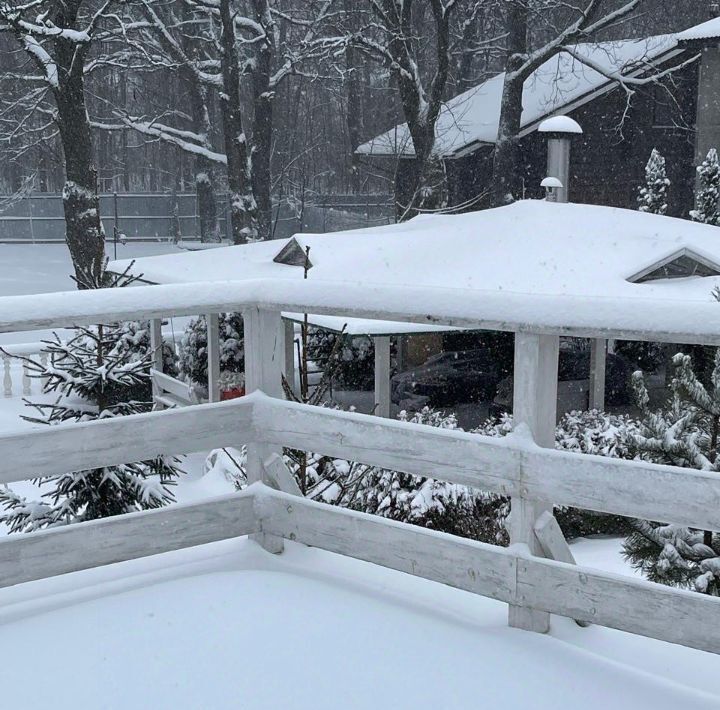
point(560, 131)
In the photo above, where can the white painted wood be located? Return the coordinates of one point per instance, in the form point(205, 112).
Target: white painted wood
point(534, 408)
point(156, 353)
point(560, 314)
point(467, 459)
point(24, 558)
point(289, 346)
point(213, 354)
point(163, 385)
point(465, 564)
point(616, 601)
point(264, 359)
point(7, 376)
point(279, 476)
point(553, 543)
point(26, 381)
point(620, 602)
point(27, 454)
point(598, 360)
point(382, 376)
point(44, 362)
point(505, 466)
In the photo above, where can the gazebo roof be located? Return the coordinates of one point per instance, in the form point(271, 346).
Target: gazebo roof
point(526, 250)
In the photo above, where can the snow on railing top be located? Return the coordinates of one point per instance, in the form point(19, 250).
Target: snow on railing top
point(666, 320)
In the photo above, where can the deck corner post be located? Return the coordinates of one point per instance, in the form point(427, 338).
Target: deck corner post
point(264, 360)
point(535, 406)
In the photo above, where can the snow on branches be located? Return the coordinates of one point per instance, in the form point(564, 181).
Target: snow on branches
point(652, 196)
point(707, 194)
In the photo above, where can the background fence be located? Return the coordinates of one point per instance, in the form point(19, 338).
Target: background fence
point(39, 217)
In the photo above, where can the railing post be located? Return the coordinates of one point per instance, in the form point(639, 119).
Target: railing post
point(382, 375)
point(264, 359)
point(535, 406)
point(598, 359)
point(289, 346)
point(213, 355)
point(156, 353)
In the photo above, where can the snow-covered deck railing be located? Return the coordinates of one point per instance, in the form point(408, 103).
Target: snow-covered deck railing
point(661, 320)
point(12, 367)
point(511, 466)
point(523, 466)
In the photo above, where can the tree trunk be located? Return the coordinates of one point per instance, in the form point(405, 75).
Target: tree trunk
point(207, 204)
point(84, 232)
point(263, 96)
point(243, 208)
point(506, 179)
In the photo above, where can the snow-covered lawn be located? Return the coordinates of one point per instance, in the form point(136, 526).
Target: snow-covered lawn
point(45, 268)
point(229, 626)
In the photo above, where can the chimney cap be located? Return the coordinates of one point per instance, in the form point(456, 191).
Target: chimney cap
point(551, 182)
point(560, 124)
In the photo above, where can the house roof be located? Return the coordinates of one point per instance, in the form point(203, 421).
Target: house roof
point(470, 120)
point(521, 252)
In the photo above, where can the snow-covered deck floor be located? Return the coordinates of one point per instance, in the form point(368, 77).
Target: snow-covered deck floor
point(229, 626)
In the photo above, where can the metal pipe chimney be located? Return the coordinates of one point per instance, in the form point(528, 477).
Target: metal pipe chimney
point(560, 131)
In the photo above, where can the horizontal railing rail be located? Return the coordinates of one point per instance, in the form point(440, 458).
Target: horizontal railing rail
point(674, 321)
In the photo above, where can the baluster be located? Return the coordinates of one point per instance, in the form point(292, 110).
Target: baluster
point(44, 363)
point(7, 376)
point(26, 382)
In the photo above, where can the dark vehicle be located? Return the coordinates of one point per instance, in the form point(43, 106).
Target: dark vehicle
point(448, 378)
point(574, 383)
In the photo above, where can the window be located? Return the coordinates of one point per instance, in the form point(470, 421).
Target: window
point(682, 264)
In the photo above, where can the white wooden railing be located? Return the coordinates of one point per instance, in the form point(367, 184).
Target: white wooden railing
point(16, 376)
point(522, 466)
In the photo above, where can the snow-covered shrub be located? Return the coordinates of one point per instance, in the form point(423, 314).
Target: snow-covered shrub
point(707, 194)
point(685, 434)
point(95, 375)
point(193, 356)
point(653, 194)
point(354, 367)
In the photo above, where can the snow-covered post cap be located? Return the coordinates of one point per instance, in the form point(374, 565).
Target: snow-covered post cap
point(559, 131)
point(560, 124)
point(552, 186)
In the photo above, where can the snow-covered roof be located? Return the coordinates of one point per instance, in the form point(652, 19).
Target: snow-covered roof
point(561, 84)
point(519, 252)
point(228, 626)
point(706, 30)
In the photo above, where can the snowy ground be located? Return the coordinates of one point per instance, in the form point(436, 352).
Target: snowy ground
point(229, 626)
point(44, 268)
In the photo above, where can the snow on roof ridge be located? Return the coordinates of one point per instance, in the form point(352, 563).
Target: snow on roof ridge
point(705, 30)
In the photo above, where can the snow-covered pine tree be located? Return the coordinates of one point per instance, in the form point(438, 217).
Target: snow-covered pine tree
point(653, 194)
point(193, 358)
point(684, 434)
point(707, 194)
point(94, 374)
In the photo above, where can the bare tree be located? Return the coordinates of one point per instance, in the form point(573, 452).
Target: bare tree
point(393, 40)
point(57, 38)
point(522, 60)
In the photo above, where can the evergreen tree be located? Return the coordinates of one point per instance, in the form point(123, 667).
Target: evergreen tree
point(653, 194)
point(95, 374)
point(684, 434)
point(193, 359)
point(707, 194)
